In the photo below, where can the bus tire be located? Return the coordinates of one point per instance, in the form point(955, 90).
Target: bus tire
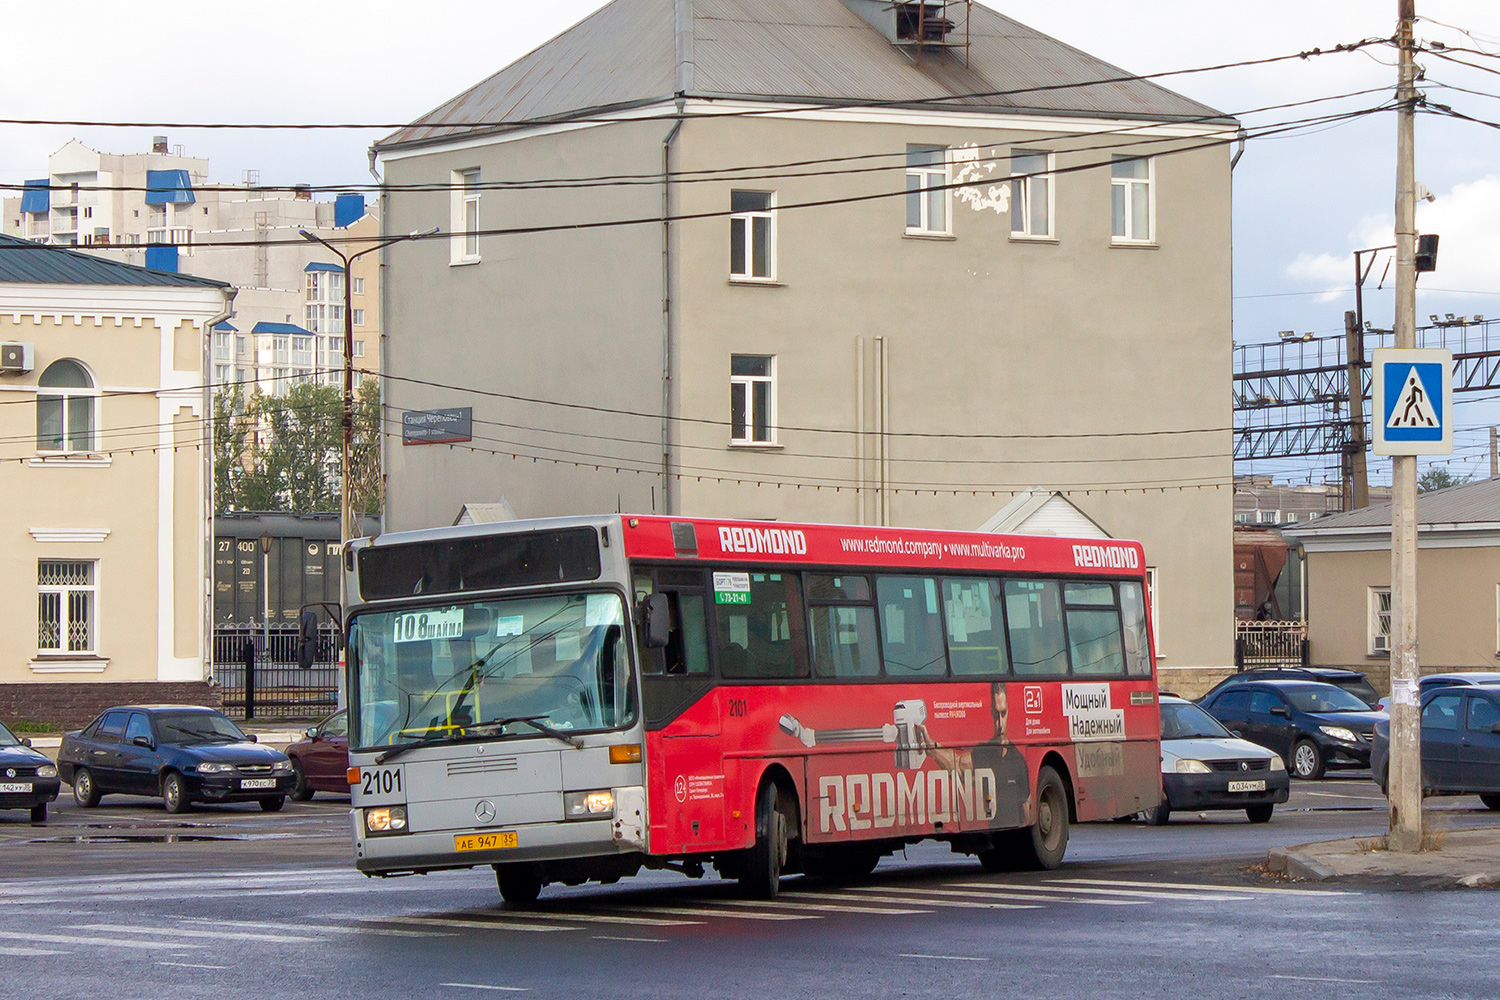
point(520, 884)
point(760, 867)
point(1042, 845)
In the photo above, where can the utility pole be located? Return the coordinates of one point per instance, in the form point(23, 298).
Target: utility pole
point(1405, 780)
point(1494, 454)
point(1354, 353)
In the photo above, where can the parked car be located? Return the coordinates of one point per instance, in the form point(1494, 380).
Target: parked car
point(181, 753)
point(1353, 681)
point(1431, 681)
point(1313, 726)
point(28, 780)
point(1205, 766)
point(321, 761)
point(1460, 743)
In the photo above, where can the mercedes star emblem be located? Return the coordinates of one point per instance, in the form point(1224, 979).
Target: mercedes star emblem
point(484, 811)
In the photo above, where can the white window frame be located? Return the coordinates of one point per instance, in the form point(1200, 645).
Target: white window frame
point(749, 382)
point(1373, 631)
point(1020, 196)
point(1130, 185)
point(748, 219)
point(359, 317)
point(359, 348)
point(359, 287)
point(64, 592)
point(1153, 578)
point(67, 394)
point(927, 177)
point(463, 245)
point(1497, 619)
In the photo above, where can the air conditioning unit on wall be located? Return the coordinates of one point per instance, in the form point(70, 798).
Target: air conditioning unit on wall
point(17, 359)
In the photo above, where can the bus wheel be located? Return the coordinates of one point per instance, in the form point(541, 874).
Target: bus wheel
point(760, 874)
point(520, 885)
point(1042, 845)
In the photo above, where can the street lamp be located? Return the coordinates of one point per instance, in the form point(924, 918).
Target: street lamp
point(347, 525)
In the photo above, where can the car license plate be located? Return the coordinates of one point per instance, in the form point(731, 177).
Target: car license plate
point(252, 783)
point(16, 788)
point(1247, 786)
point(485, 841)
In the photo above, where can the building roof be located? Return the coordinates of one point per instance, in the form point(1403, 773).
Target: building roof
point(1043, 512)
point(639, 52)
point(318, 265)
point(281, 328)
point(25, 262)
point(1472, 503)
point(485, 513)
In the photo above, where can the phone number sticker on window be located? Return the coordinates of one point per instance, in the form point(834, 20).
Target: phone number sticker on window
point(731, 588)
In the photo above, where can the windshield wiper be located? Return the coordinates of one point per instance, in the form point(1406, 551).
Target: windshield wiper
point(472, 734)
point(531, 720)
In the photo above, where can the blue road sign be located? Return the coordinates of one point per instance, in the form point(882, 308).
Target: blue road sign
point(1413, 401)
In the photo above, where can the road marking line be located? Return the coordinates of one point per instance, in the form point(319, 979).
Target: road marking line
point(800, 905)
point(106, 942)
point(947, 958)
point(694, 911)
point(192, 965)
point(267, 925)
point(1019, 896)
point(588, 918)
point(487, 925)
point(482, 986)
point(961, 903)
point(1192, 885)
point(29, 952)
point(610, 937)
point(1358, 798)
point(1324, 979)
point(1127, 893)
point(188, 933)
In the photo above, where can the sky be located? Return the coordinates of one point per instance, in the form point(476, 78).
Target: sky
point(1302, 202)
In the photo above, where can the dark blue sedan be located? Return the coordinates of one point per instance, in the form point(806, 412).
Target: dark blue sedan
point(28, 780)
point(180, 753)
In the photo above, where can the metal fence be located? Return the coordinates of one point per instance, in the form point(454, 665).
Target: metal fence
point(1270, 644)
point(258, 673)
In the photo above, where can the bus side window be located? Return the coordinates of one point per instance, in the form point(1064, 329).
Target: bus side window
point(1137, 643)
point(687, 647)
point(1094, 629)
point(976, 632)
point(911, 627)
point(1033, 616)
point(762, 634)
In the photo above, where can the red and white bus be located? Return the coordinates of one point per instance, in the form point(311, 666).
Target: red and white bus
point(577, 698)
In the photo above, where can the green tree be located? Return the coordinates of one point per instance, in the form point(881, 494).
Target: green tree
point(1439, 478)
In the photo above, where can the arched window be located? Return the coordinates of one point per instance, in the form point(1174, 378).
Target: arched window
point(65, 408)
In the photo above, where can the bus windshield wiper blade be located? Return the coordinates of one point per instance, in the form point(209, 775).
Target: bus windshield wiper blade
point(431, 739)
point(531, 720)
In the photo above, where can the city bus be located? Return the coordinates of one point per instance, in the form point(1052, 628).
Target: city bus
point(575, 699)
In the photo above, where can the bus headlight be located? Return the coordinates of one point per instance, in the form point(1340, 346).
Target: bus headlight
point(381, 821)
point(589, 805)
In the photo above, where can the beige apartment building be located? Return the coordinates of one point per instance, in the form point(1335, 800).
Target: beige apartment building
point(103, 558)
point(1348, 559)
point(819, 262)
point(158, 209)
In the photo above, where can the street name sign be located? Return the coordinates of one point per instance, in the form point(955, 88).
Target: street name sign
point(1413, 389)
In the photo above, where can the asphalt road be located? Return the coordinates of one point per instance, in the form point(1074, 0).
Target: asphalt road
point(126, 901)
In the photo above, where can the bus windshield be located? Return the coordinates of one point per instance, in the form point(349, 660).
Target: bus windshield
point(479, 668)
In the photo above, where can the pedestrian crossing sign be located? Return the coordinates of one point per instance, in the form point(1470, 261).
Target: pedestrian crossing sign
point(1413, 391)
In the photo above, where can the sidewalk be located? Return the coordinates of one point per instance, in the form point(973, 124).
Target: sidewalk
point(1468, 858)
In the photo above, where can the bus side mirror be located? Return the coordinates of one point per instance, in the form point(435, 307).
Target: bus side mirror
point(656, 620)
point(307, 645)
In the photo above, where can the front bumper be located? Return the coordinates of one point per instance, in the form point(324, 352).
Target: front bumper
point(399, 854)
point(1211, 791)
point(42, 790)
point(226, 788)
point(1344, 755)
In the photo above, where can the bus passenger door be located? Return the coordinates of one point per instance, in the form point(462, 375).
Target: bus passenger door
point(686, 772)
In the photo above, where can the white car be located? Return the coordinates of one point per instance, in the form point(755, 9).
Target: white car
point(1205, 766)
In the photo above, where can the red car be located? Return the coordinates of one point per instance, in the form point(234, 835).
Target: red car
point(321, 761)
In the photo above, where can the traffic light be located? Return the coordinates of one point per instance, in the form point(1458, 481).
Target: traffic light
point(1427, 252)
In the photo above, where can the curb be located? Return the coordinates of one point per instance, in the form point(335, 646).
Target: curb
point(1292, 863)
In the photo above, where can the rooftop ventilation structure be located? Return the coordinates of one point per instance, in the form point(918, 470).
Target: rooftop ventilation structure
point(918, 26)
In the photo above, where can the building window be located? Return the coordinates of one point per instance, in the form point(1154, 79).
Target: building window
point(221, 347)
point(66, 612)
point(1380, 620)
point(221, 375)
point(1153, 602)
point(463, 247)
point(927, 190)
point(1130, 189)
point(359, 286)
point(359, 317)
point(359, 348)
point(1030, 193)
point(752, 236)
point(239, 347)
point(156, 224)
point(65, 408)
point(752, 399)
